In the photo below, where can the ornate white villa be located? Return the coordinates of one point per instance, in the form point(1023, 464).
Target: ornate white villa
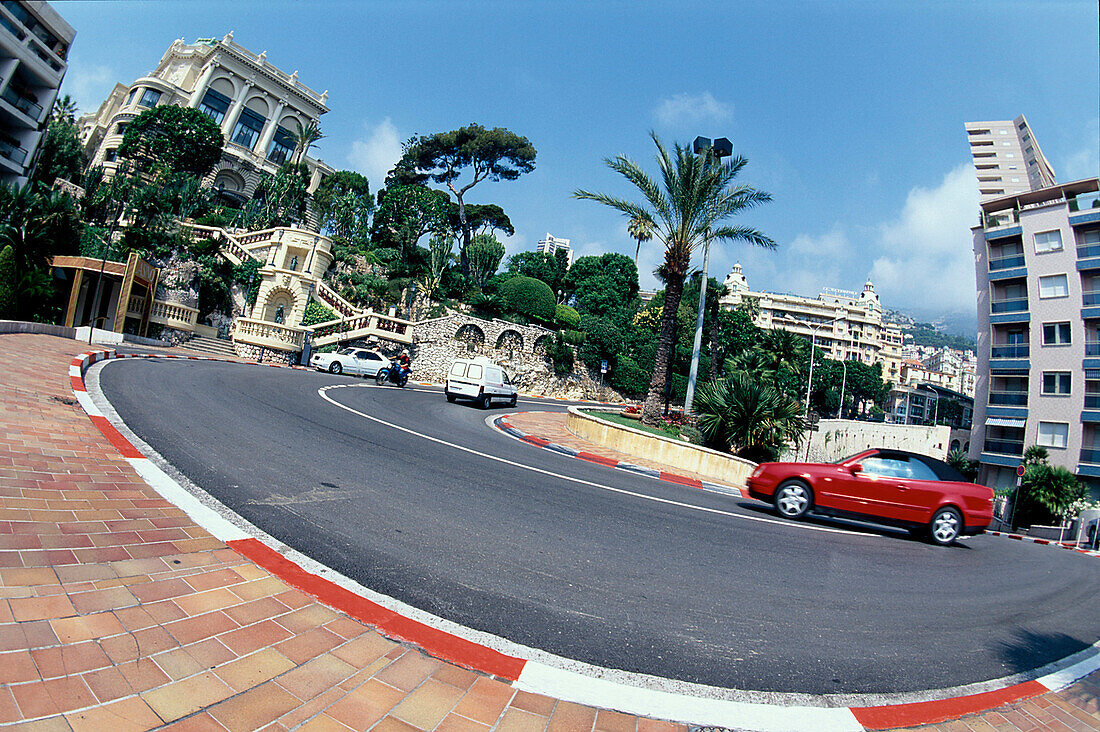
point(256, 104)
point(847, 326)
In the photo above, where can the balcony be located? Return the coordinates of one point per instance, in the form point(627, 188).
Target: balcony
point(23, 104)
point(1009, 306)
point(1003, 218)
point(1091, 297)
point(1090, 455)
point(1085, 201)
point(13, 152)
point(1092, 348)
point(1004, 447)
point(1011, 351)
point(1092, 401)
point(1008, 398)
point(1008, 262)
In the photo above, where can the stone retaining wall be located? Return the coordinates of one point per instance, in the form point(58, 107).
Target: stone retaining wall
point(438, 342)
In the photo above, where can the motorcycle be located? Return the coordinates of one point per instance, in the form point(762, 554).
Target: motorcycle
point(395, 373)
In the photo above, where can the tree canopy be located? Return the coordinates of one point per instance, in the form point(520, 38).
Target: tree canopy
point(178, 139)
point(596, 285)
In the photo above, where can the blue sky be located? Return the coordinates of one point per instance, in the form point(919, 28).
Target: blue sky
point(850, 113)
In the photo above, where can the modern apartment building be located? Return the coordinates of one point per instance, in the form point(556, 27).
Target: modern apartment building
point(256, 104)
point(34, 46)
point(1007, 158)
point(551, 244)
point(846, 326)
point(1037, 256)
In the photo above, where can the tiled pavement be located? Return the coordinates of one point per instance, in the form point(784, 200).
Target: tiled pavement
point(118, 613)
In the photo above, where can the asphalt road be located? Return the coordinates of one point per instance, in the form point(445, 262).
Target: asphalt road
point(733, 598)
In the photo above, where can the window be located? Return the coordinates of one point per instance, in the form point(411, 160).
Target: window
point(474, 372)
point(1015, 180)
point(1056, 334)
point(214, 105)
point(1053, 434)
point(248, 128)
point(130, 98)
point(1005, 143)
point(458, 369)
point(1056, 382)
point(1053, 286)
point(282, 146)
point(1002, 132)
point(120, 129)
point(1048, 241)
point(1009, 155)
point(897, 467)
point(1090, 238)
point(111, 155)
point(150, 98)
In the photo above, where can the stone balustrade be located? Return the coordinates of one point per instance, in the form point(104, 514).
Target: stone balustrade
point(173, 315)
point(330, 297)
point(275, 336)
point(135, 308)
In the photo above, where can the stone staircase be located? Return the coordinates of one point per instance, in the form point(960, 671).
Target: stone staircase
point(206, 346)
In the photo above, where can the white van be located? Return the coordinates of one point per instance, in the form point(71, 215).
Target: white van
point(479, 379)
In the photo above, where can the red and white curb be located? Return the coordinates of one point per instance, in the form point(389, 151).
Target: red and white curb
point(505, 426)
point(1046, 542)
point(530, 669)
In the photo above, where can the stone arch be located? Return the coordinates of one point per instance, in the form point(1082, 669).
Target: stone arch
point(278, 305)
point(966, 447)
point(955, 445)
point(224, 85)
point(541, 344)
point(510, 340)
point(258, 105)
point(471, 334)
point(288, 122)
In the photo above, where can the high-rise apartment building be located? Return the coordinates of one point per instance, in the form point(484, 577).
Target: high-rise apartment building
point(1037, 258)
point(34, 45)
point(845, 326)
point(1007, 158)
point(551, 244)
point(257, 105)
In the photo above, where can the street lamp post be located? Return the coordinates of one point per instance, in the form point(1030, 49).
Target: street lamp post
point(719, 149)
point(843, 383)
point(810, 377)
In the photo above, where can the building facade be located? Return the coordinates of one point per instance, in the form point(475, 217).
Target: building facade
point(845, 326)
point(1007, 158)
point(1037, 259)
point(551, 244)
point(257, 105)
point(34, 48)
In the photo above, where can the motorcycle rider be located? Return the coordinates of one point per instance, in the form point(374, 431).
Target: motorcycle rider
point(404, 362)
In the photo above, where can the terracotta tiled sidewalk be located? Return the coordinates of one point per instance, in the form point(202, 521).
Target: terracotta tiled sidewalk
point(118, 613)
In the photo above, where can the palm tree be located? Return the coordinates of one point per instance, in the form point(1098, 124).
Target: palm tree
point(64, 109)
point(693, 196)
point(640, 229)
point(748, 417)
point(304, 136)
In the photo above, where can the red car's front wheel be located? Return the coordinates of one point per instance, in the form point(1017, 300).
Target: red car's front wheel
point(793, 499)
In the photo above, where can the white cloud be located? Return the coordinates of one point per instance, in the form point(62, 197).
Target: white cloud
point(925, 257)
point(375, 155)
point(88, 85)
point(684, 109)
point(1085, 161)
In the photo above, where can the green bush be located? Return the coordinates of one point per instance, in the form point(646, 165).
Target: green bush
point(567, 316)
point(528, 296)
point(629, 377)
point(573, 337)
point(561, 356)
point(7, 281)
point(317, 313)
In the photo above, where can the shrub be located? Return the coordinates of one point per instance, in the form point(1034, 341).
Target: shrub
point(7, 281)
point(561, 356)
point(573, 337)
point(317, 313)
point(528, 296)
point(567, 316)
point(629, 377)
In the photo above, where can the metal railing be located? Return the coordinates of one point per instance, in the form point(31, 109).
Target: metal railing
point(13, 152)
point(1008, 398)
point(1090, 455)
point(1092, 401)
point(1091, 297)
point(1087, 252)
point(1006, 262)
point(1007, 218)
point(1005, 447)
point(1009, 306)
point(1092, 348)
point(1013, 351)
point(24, 104)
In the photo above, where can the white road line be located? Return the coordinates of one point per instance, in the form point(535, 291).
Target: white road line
point(759, 519)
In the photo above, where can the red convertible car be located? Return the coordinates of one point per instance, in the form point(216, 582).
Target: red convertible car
point(890, 487)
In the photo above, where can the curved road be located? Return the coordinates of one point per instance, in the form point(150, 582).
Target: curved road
point(579, 560)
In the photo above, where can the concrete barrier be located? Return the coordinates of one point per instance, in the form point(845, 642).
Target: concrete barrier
point(21, 326)
point(677, 454)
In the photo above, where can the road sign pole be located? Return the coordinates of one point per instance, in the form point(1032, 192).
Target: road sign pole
point(1016, 498)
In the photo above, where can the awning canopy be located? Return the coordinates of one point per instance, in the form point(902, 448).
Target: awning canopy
point(1004, 422)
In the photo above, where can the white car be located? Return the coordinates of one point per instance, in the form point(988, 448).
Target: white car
point(481, 380)
point(358, 361)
